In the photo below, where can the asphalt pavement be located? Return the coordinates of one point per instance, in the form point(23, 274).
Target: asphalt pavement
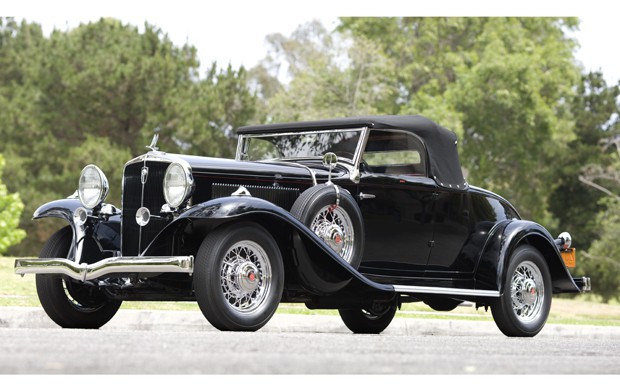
point(160, 320)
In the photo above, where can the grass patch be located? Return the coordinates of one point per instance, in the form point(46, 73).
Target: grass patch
point(14, 289)
point(584, 309)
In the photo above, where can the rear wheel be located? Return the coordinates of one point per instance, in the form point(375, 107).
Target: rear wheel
point(523, 309)
point(69, 303)
point(371, 321)
point(239, 277)
point(442, 304)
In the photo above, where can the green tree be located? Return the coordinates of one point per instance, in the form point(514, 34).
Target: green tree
point(95, 94)
point(602, 261)
point(201, 118)
point(330, 76)
point(10, 209)
point(106, 79)
point(578, 170)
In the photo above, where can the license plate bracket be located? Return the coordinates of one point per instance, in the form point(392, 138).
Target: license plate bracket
point(568, 255)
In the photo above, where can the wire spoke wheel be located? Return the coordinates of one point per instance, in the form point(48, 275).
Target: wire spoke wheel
point(527, 291)
point(334, 226)
point(239, 277)
point(523, 308)
point(245, 276)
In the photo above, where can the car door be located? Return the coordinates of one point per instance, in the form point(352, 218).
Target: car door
point(453, 225)
point(396, 200)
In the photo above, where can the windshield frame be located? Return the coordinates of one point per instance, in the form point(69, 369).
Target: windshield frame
point(352, 165)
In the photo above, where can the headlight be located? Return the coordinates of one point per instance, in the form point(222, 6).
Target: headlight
point(178, 184)
point(93, 187)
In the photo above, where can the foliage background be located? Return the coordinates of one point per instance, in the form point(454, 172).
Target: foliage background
point(532, 125)
point(11, 207)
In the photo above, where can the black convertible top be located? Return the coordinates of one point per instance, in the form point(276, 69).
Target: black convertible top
point(445, 167)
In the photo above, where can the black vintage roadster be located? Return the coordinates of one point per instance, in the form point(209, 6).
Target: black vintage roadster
point(355, 214)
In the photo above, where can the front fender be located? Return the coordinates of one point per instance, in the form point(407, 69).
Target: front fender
point(105, 233)
point(319, 269)
point(62, 208)
point(491, 270)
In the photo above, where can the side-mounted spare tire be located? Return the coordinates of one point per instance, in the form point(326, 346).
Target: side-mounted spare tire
point(332, 214)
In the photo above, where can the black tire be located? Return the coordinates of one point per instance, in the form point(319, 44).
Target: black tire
point(368, 321)
point(255, 274)
point(442, 304)
point(316, 208)
point(523, 308)
point(69, 303)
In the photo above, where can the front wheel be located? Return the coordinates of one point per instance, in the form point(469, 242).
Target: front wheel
point(523, 309)
point(368, 321)
point(239, 277)
point(69, 303)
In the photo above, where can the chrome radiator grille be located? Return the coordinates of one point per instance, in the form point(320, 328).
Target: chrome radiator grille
point(135, 195)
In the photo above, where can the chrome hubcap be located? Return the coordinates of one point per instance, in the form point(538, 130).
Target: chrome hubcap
point(245, 276)
point(333, 225)
point(527, 291)
point(332, 235)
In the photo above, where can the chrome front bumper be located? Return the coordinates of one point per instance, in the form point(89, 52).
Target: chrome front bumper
point(112, 265)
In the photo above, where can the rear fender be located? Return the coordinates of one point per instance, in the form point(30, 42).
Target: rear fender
point(314, 264)
point(507, 236)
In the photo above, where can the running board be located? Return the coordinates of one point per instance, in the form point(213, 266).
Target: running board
point(446, 291)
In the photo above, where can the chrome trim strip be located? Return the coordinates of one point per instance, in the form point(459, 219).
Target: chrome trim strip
point(446, 291)
point(143, 181)
point(285, 133)
point(83, 271)
point(357, 158)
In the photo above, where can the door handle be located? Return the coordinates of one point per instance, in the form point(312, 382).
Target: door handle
point(363, 196)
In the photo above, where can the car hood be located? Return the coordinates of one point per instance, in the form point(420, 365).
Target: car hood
point(275, 168)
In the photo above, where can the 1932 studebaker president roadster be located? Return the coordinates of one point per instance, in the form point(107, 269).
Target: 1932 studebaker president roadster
point(355, 214)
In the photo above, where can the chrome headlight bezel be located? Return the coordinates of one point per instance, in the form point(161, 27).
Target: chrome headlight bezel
point(178, 183)
point(92, 179)
point(566, 240)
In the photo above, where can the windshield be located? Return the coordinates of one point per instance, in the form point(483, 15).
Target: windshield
point(292, 146)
